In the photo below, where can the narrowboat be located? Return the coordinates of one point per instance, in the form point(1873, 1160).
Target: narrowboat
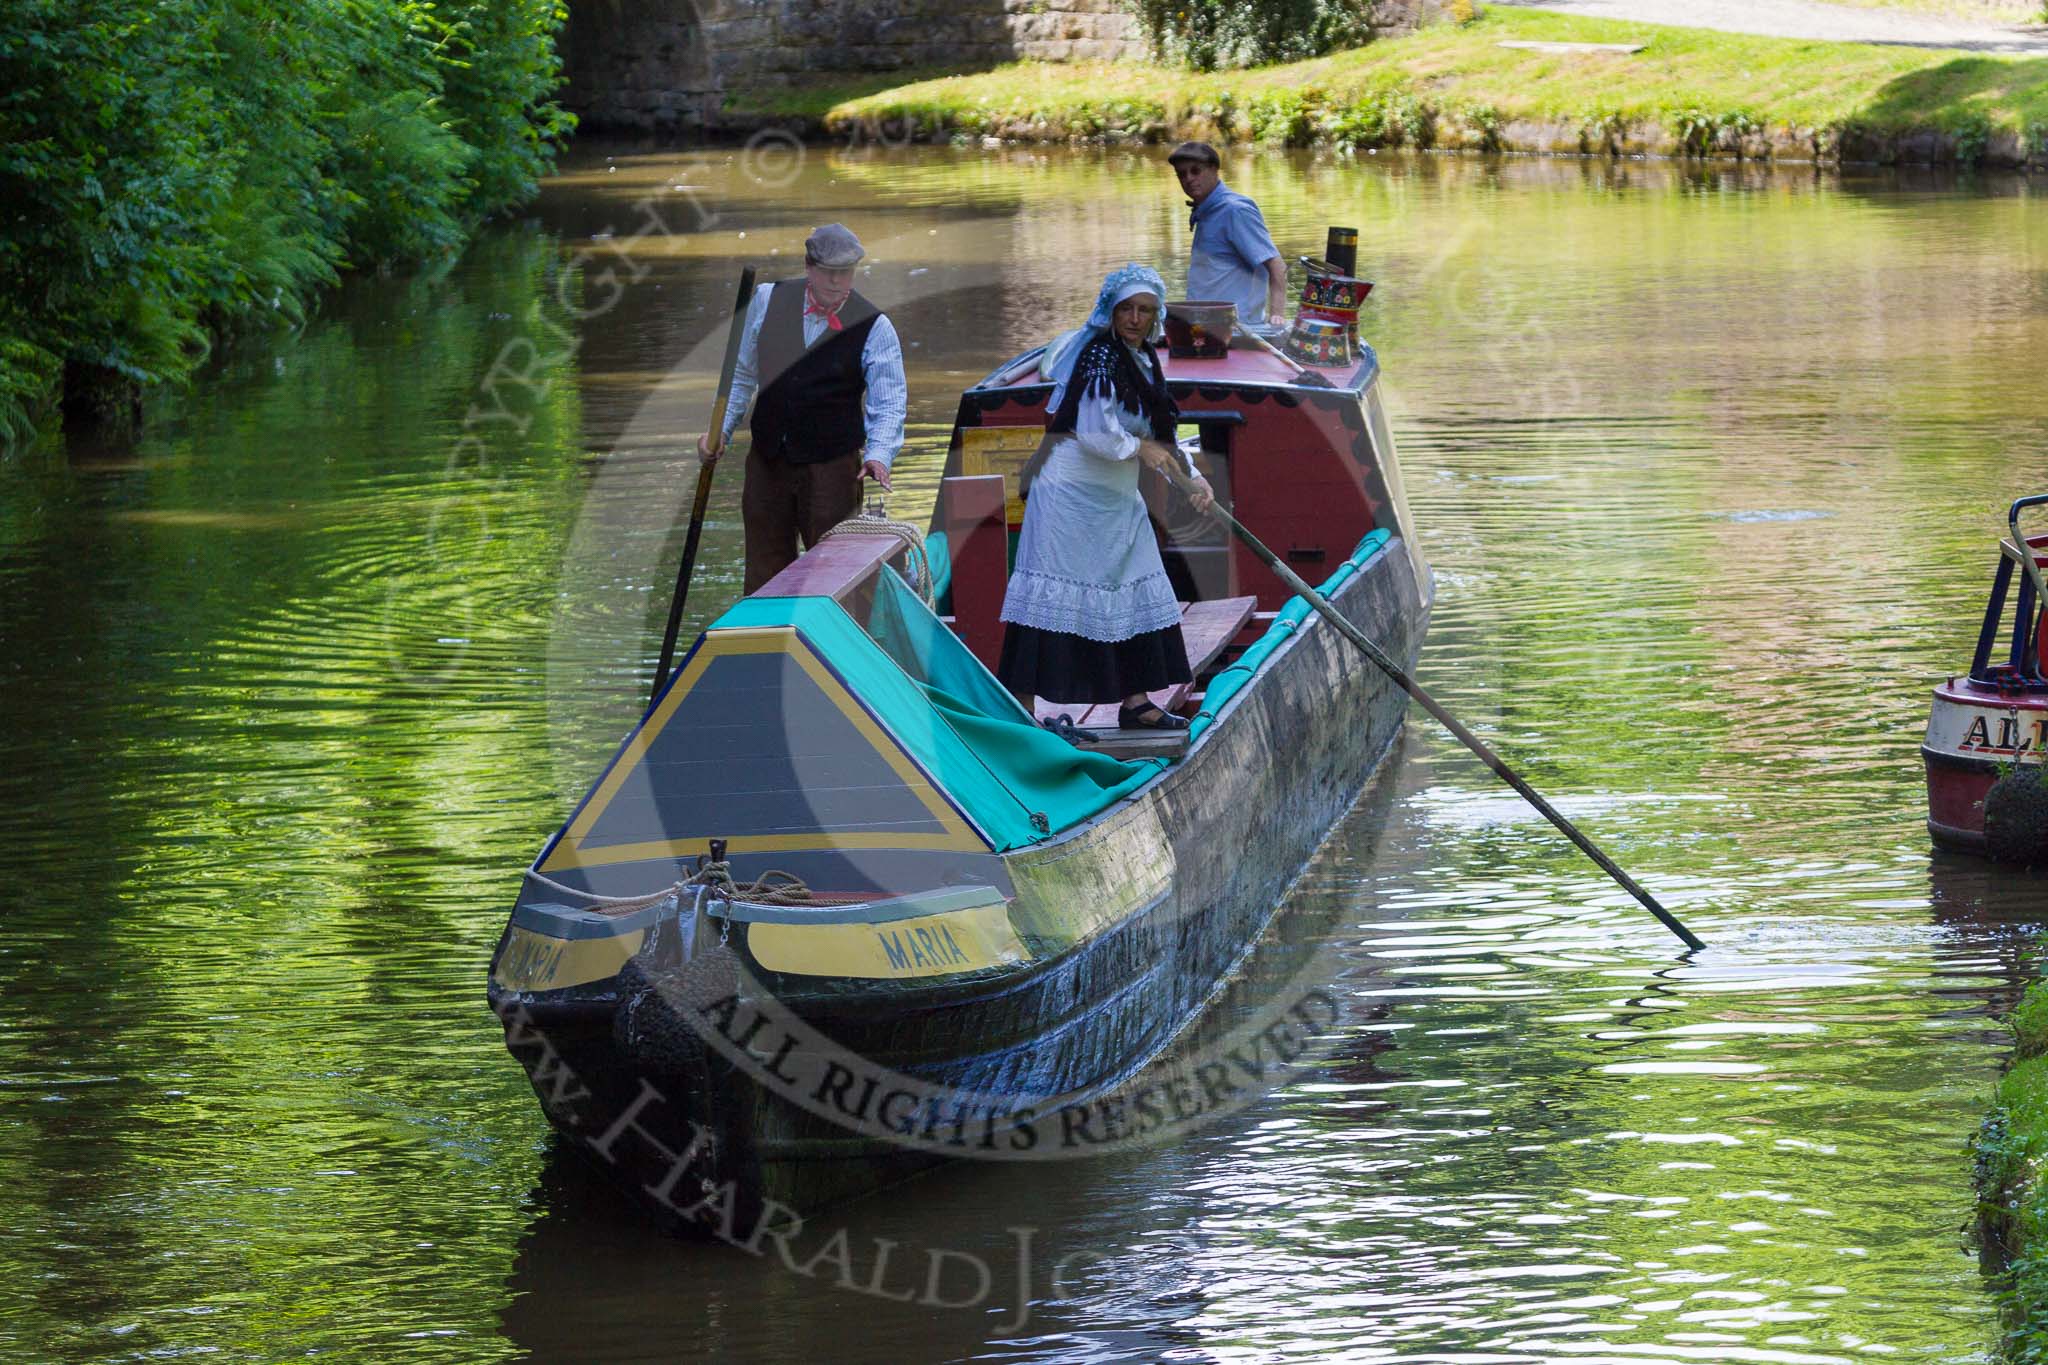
point(839, 908)
point(1992, 723)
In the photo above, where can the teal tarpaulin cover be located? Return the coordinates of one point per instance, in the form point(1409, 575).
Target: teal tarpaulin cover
point(965, 729)
point(952, 716)
point(1230, 681)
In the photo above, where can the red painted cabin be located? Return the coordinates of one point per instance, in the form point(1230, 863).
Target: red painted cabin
point(1300, 455)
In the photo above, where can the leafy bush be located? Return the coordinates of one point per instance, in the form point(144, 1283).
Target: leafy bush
point(2012, 1205)
point(176, 169)
point(1210, 35)
point(1972, 134)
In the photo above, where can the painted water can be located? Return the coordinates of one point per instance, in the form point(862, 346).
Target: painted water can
point(1199, 329)
point(1336, 292)
point(1319, 341)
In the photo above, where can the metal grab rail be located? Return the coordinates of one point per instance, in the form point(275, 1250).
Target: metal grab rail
point(2028, 647)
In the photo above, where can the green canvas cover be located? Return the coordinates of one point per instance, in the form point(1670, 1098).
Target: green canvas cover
point(963, 726)
point(952, 716)
point(939, 555)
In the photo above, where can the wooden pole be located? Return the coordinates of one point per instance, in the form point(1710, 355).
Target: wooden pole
point(1435, 708)
point(704, 473)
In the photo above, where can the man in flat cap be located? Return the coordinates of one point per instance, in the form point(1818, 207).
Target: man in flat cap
point(1234, 258)
point(829, 372)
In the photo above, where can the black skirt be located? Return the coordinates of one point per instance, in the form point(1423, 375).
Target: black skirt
point(1074, 669)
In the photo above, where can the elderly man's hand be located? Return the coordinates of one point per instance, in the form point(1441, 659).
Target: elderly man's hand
point(709, 452)
point(876, 470)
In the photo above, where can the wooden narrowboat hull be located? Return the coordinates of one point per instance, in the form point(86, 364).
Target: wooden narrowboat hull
point(1160, 895)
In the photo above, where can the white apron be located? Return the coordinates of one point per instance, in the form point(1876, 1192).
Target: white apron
point(1087, 563)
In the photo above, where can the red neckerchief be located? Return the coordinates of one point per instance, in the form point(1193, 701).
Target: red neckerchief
point(812, 308)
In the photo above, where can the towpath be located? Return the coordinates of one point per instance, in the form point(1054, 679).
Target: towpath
point(1813, 19)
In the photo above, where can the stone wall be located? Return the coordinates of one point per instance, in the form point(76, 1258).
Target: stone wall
point(669, 64)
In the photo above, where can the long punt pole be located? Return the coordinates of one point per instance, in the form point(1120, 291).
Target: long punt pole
point(704, 473)
point(1450, 722)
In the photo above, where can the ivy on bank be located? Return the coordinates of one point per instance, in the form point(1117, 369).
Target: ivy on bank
point(1209, 35)
point(174, 170)
point(2012, 1199)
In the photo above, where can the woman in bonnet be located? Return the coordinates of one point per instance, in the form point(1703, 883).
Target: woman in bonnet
point(1090, 615)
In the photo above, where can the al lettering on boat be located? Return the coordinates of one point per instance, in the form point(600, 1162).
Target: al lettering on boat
point(911, 866)
point(1992, 720)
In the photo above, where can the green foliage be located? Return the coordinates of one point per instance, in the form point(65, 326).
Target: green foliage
point(1972, 133)
point(1285, 117)
point(1111, 117)
point(2012, 1206)
point(1210, 35)
point(1410, 118)
point(1361, 124)
point(178, 169)
point(1486, 121)
point(2030, 1026)
point(1703, 132)
point(499, 71)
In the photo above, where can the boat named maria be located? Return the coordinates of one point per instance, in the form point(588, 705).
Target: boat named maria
point(839, 908)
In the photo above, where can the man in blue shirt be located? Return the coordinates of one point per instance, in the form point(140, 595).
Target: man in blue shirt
point(1234, 258)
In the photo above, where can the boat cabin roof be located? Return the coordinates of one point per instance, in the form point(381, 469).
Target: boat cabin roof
point(1247, 364)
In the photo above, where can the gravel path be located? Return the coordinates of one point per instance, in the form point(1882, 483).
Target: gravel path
point(1811, 19)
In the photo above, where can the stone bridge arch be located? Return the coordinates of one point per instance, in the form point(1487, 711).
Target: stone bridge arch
point(670, 64)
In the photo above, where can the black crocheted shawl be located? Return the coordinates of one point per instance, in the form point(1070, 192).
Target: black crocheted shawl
point(1107, 367)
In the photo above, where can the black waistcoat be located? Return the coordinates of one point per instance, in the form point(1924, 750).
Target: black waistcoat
point(809, 408)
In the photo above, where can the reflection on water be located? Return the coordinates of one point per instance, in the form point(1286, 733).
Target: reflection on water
point(1709, 464)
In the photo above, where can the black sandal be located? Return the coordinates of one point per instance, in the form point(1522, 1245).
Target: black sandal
point(1135, 719)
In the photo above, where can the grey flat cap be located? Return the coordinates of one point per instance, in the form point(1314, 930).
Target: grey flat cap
point(832, 246)
point(1194, 151)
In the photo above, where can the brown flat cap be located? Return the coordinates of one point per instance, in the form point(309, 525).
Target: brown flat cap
point(1194, 151)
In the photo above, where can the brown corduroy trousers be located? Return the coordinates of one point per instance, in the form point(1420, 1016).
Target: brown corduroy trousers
point(784, 502)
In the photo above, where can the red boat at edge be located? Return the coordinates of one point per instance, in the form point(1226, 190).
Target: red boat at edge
point(1994, 719)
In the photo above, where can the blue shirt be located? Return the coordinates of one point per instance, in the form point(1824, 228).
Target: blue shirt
point(1231, 249)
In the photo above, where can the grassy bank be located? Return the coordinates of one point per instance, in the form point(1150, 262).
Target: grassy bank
point(1688, 92)
point(2012, 1198)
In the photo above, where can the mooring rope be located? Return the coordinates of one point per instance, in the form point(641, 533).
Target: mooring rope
point(916, 559)
point(772, 887)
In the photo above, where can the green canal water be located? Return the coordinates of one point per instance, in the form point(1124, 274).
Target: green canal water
point(1708, 464)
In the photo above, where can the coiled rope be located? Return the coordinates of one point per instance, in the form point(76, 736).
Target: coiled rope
point(875, 522)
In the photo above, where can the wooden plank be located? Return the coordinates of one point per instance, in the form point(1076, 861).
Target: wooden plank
point(1208, 627)
point(1081, 713)
point(1003, 452)
point(1138, 743)
point(836, 568)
